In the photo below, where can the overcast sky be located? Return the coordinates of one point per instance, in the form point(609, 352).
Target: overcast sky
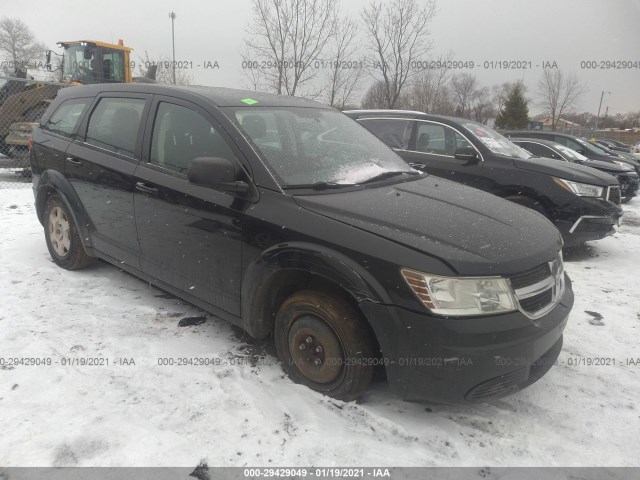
point(564, 31)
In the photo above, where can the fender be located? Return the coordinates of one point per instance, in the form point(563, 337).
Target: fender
point(511, 190)
point(56, 181)
point(307, 258)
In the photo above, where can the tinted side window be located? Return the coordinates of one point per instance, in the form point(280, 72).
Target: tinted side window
point(66, 119)
point(460, 141)
point(567, 142)
point(394, 133)
point(180, 135)
point(114, 124)
point(540, 150)
point(431, 138)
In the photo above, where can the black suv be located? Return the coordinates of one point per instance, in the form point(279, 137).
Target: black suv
point(287, 218)
point(583, 203)
point(580, 145)
point(627, 177)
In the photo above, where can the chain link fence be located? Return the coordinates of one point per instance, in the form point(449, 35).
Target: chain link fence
point(629, 137)
point(22, 103)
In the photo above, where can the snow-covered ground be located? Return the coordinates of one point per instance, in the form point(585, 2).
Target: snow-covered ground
point(245, 411)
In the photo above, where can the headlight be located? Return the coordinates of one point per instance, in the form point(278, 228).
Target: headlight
point(581, 189)
point(459, 296)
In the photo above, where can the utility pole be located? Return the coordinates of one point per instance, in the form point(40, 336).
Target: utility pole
point(172, 16)
point(599, 108)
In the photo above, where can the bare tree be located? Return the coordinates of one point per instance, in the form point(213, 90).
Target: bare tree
point(398, 37)
point(376, 96)
point(285, 42)
point(482, 105)
point(558, 93)
point(429, 87)
point(18, 46)
point(164, 73)
point(463, 86)
point(346, 67)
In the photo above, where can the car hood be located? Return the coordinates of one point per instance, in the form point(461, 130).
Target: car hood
point(474, 232)
point(609, 167)
point(568, 171)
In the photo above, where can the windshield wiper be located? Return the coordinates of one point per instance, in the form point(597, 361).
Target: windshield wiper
point(385, 175)
point(318, 185)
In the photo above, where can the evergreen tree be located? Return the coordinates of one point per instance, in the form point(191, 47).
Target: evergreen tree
point(515, 112)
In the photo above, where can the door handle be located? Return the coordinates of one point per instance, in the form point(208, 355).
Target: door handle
point(143, 187)
point(74, 161)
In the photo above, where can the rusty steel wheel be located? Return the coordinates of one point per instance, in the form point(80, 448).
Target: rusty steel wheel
point(324, 343)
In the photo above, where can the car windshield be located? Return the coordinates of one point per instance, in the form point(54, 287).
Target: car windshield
point(591, 148)
point(317, 146)
point(496, 142)
point(572, 154)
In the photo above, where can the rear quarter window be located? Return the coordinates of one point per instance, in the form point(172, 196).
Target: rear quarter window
point(394, 133)
point(67, 117)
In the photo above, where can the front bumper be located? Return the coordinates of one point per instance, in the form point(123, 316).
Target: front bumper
point(587, 219)
point(466, 360)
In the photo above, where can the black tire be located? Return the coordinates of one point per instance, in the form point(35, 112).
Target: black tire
point(344, 365)
point(529, 202)
point(61, 235)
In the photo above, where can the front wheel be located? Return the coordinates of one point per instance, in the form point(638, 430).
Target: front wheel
point(324, 343)
point(61, 234)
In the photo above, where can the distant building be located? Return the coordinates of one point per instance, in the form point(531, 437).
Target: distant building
point(562, 123)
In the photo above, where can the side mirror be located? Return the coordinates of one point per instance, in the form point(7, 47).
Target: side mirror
point(467, 153)
point(48, 60)
point(216, 172)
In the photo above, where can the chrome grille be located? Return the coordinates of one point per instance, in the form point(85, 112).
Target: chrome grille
point(540, 289)
point(530, 276)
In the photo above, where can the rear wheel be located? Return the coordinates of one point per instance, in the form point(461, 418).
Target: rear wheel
point(324, 343)
point(61, 234)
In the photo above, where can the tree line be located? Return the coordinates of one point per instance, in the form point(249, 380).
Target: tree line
point(312, 49)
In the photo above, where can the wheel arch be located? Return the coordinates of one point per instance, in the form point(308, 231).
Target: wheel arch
point(524, 191)
point(53, 182)
point(282, 270)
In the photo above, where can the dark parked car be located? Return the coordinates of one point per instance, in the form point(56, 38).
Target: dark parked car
point(612, 145)
point(627, 177)
point(579, 145)
point(582, 202)
point(287, 218)
point(613, 153)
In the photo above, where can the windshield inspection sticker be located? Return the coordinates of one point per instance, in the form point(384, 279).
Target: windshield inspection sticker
point(249, 101)
point(491, 143)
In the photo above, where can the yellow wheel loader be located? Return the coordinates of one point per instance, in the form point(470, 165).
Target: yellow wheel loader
point(23, 101)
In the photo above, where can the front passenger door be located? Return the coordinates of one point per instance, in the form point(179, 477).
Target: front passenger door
point(434, 145)
point(190, 236)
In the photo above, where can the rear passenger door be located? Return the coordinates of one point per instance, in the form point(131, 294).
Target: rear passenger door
point(190, 236)
point(100, 166)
